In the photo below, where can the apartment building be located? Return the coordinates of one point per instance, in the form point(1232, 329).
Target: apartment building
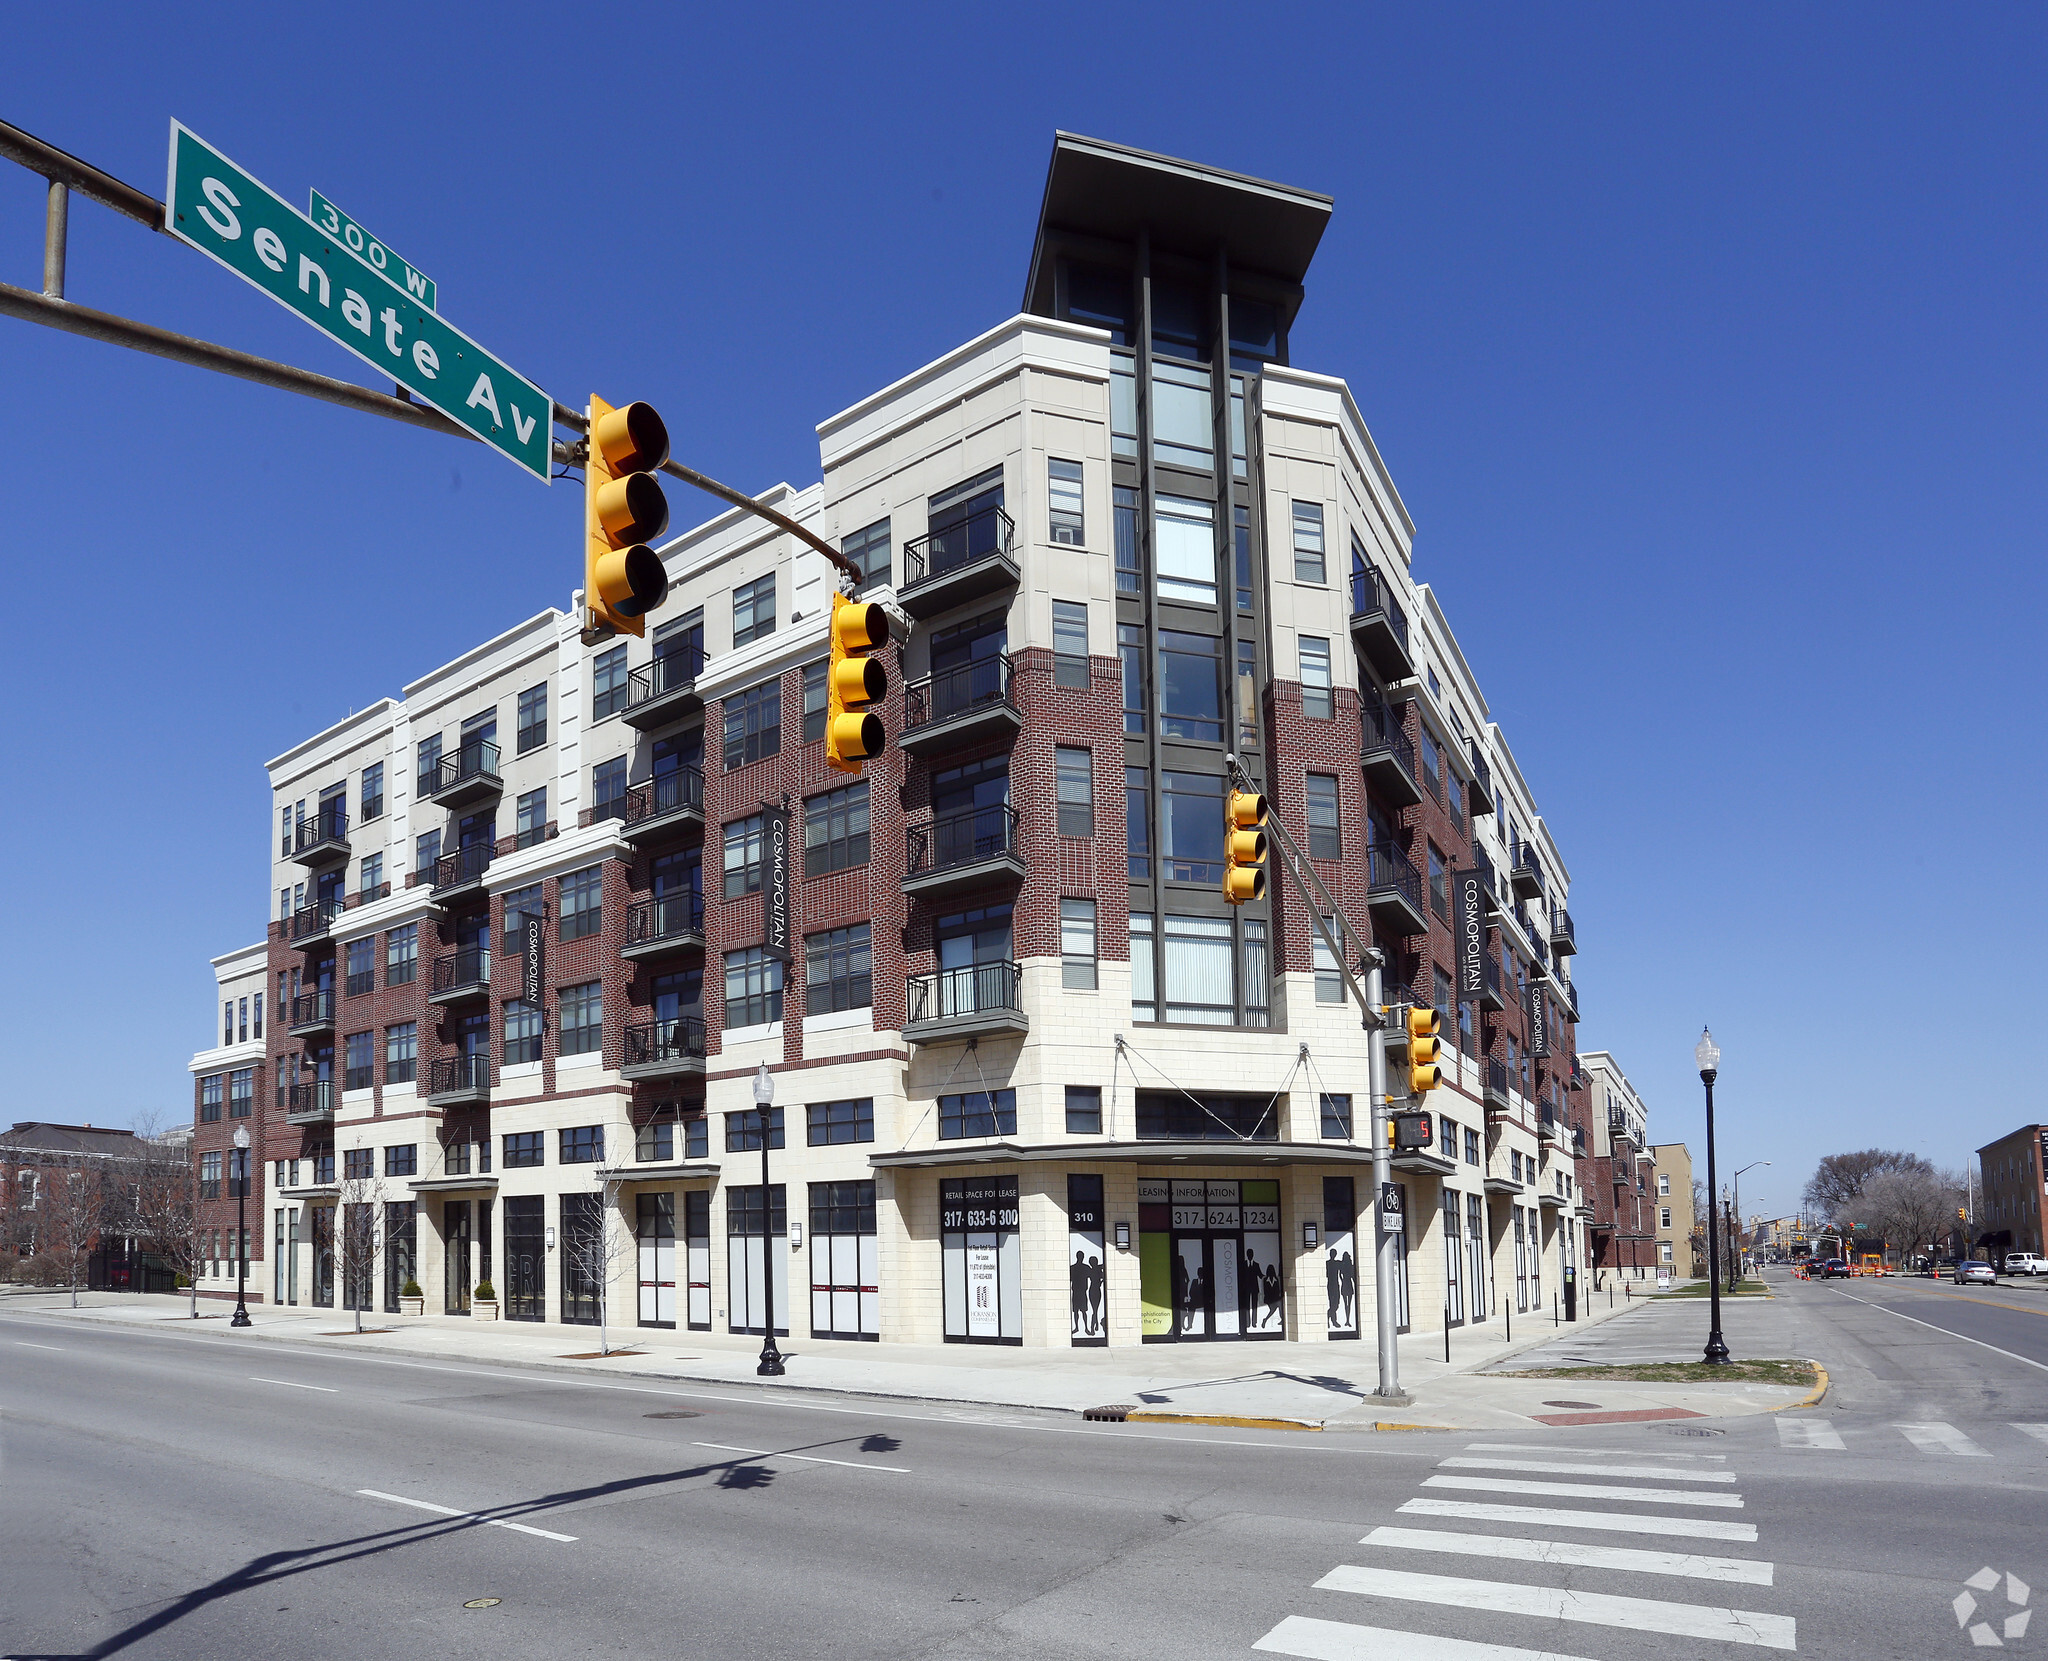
point(542, 918)
point(2014, 1187)
point(1620, 1173)
point(1677, 1249)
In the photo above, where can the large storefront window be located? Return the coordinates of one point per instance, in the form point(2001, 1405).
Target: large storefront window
point(457, 1262)
point(1087, 1279)
point(524, 1290)
point(1521, 1263)
point(697, 1258)
point(1476, 1257)
point(401, 1242)
point(752, 1234)
point(1209, 1259)
point(654, 1234)
point(845, 1272)
point(1454, 1280)
point(323, 1255)
point(1340, 1255)
point(982, 1260)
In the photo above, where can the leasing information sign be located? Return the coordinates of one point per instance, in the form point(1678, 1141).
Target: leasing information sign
point(212, 205)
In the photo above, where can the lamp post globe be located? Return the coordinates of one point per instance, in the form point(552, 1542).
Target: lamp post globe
point(771, 1357)
point(1708, 1054)
point(239, 1172)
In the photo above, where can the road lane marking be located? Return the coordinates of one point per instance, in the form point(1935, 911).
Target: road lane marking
point(1563, 1468)
point(1584, 1491)
point(1944, 1331)
point(1573, 1447)
point(290, 1385)
point(1809, 1433)
point(1314, 1640)
point(2038, 1432)
point(1941, 1438)
point(450, 1511)
point(1744, 1571)
point(1622, 1522)
point(807, 1458)
point(25, 1344)
point(1557, 1603)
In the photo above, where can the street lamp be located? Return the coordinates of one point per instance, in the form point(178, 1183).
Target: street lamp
point(771, 1357)
point(239, 1179)
point(1708, 1054)
point(1735, 1251)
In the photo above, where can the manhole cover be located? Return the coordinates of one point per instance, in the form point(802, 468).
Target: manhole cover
point(1693, 1430)
point(1571, 1404)
point(673, 1413)
point(481, 1603)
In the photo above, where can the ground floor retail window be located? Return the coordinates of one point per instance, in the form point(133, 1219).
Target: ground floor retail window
point(654, 1234)
point(585, 1250)
point(359, 1254)
point(845, 1266)
point(1521, 1261)
point(458, 1259)
point(1087, 1279)
point(1340, 1255)
point(401, 1246)
point(1477, 1257)
point(697, 1259)
point(323, 1255)
point(525, 1288)
point(1393, 1228)
point(755, 1241)
point(982, 1260)
point(1454, 1280)
point(1209, 1259)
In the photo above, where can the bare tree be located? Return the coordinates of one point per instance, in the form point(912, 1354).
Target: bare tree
point(595, 1250)
point(1908, 1207)
point(166, 1205)
point(359, 1228)
point(1837, 1178)
point(73, 1200)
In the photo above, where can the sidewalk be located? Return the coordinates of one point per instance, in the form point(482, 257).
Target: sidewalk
point(1277, 1385)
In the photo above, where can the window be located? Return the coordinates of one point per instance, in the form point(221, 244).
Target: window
point(1664, 1251)
point(1439, 884)
point(978, 1113)
point(359, 1164)
point(608, 790)
point(533, 717)
point(753, 988)
point(372, 876)
point(1130, 648)
point(1663, 1183)
point(1198, 978)
point(1125, 501)
point(402, 955)
point(426, 853)
point(1447, 1136)
point(1184, 549)
point(836, 971)
point(259, 1014)
point(1138, 824)
point(1471, 1146)
point(360, 1049)
point(753, 725)
point(743, 1131)
point(1182, 428)
point(1329, 972)
point(1325, 836)
point(532, 822)
point(753, 610)
point(1191, 686)
point(1070, 643)
point(521, 904)
point(401, 1052)
point(522, 1032)
point(743, 854)
point(582, 902)
point(1432, 763)
point(655, 1142)
point(523, 1149)
point(362, 966)
point(1257, 1006)
point(373, 791)
point(1318, 701)
point(1515, 1164)
point(581, 1145)
point(869, 549)
point(430, 763)
point(1084, 1110)
point(816, 700)
point(227, 1023)
point(243, 1004)
point(1074, 770)
point(1308, 542)
point(1664, 1216)
point(210, 1098)
point(1247, 694)
point(1336, 1117)
point(835, 830)
point(1064, 502)
point(830, 1122)
point(1454, 802)
point(608, 683)
point(209, 1176)
point(241, 1092)
point(1077, 944)
point(1191, 827)
point(580, 1010)
point(403, 1161)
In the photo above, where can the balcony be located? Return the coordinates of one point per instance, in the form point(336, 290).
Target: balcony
point(1388, 757)
point(666, 689)
point(310, 1104)
point(1548, 1128)
point(973, 704)
point(458, 1079)
point(963, 851)
point(959, 563)
point(1379, 625)
point(665, 1049)
point(974, 1002)
point(664, 804)
point(660, 928)
point(322, 839)
point(1567, 994)
point(460, 875)
point(1479, 799)
point(1393, 892)
point(461, 976)
point(1491, 996)
point(1564, 939)
point(1526, 875)
point(1497, 1097)
point(1619, 1130)
point(312, 1014)
point(1393, 993)
point(469, 775)
point(310, 924)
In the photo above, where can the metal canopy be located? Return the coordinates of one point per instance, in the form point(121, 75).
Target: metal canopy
point(1134, 1153)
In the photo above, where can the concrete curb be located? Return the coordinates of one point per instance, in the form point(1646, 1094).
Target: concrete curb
point(1812, 1398)
point(1232, 1420)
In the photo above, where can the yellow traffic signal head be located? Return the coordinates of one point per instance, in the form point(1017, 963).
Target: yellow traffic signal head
point(624, 510)
point(856, 677)
point(1423, 1021)
point(1244, 847)
point(1424, 1075)
point(1247, 808)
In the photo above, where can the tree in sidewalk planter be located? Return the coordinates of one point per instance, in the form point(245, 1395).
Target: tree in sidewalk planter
point(75, 1198)
point(166, 1204)
point(359, 1230)
point(595, 1250)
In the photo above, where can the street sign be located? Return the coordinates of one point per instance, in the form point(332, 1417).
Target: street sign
point(214, 206)
point(369, 250)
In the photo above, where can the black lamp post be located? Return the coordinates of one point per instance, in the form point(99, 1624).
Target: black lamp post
point(771, 1357)
point(1708, 1054)
point(239, 1180)
point(1735, 1245)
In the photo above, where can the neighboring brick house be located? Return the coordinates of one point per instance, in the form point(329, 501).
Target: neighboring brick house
point(1619, 1173)
point(1032, 1071)
point(2013, 1190)
point(47, 1170)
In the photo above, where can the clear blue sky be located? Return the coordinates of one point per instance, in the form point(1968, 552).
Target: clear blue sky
point(1705, 345)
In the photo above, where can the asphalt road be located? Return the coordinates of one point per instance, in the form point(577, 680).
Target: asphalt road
point(169, 1494)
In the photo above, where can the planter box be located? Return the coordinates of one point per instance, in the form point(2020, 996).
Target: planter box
point(483, 1309)
point(412, 1306)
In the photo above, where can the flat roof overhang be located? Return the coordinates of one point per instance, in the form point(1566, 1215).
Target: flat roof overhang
point(1134, 1153)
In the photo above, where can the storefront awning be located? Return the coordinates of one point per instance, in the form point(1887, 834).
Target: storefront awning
point(1134, 1153)
point(675, 1171)
point(453, 1185)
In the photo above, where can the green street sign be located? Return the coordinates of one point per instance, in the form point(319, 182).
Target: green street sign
point(369, 250)
point(214, 206)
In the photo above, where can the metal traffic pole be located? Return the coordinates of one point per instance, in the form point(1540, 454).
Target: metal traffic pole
point(1383, 1179)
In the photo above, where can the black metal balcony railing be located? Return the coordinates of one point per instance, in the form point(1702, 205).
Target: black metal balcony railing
point(1492, 972)
point(678, 789)
point(959, 691)
point(952, 546)
point(1617, 1125)
point(962, 839)
point(1527, 868)
point(1484, 866)
point(465, 865)
point(1370, 593)
point(314, 1097)
point(1382, 731)
point(471, 761)
point(1497, 1079)
point(470, 966)
point(458, 1072)
point(318, 917)
point(680, 1038)
point(665, 919)
point(329, 825)
point(1389, 868)
point(674, 670)
point(980, 988)
point(1481, 793)
point(309, 1007)
point(1562, 932)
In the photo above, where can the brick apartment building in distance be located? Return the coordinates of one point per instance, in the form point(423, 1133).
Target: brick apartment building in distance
point(2013, 1175)
point(1035, 1081)
point(1621, 1179)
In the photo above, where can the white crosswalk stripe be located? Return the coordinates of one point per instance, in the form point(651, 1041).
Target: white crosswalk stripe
point(1315, 1640)
point(1543, 1516)
point(1941, 1438)
point(1512, 1548)
point(1540, 1447)
point(1584, 1491)
point(2038, 1432)
point(1808, 1433)
point(1562, 1467)
point(1560, 1603)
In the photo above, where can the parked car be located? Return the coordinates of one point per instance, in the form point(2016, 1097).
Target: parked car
point(2025, 1263)
point(1972, 1270)
point(1829, 1268)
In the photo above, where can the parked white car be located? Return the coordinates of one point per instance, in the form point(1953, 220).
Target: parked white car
point(2025, 1263)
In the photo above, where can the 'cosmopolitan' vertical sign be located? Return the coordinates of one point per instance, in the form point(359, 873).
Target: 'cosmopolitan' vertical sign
point(775, 882)
point(1468, 925)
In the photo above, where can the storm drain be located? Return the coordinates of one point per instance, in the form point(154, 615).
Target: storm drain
point(1109, 1415)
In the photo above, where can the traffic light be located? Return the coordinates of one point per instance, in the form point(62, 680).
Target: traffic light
point(1412, 1131)
point(855, 681)
point(623, 510)
point(1244, 847)
point(1423, 1047)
